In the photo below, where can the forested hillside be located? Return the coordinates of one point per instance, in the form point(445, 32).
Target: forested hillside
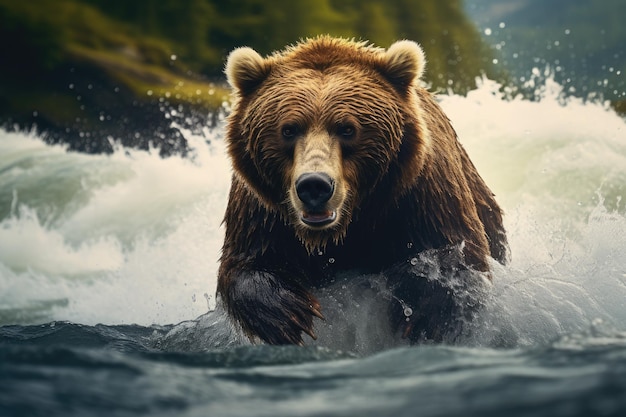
point(98, 68)
point(203, 31)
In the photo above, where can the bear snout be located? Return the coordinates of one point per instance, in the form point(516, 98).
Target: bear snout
point(315, 189)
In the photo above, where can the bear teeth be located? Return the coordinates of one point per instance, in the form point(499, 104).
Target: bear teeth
point(318, 218)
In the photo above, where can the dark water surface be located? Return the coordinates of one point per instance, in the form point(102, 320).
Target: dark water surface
point(64, 369)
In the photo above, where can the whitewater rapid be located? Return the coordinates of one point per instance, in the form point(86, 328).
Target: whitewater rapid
point(133, 238)
point(125, 238)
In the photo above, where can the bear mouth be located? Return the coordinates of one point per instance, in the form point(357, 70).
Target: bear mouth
point(318, 218)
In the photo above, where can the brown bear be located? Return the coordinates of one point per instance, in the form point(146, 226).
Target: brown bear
point(339, 153)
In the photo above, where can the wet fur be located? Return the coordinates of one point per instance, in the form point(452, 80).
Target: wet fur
point(409, 185)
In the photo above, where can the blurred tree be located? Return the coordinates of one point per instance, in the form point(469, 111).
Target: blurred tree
point(29, 41)
point(375, 22)
point(202, 32)
point(127, 47)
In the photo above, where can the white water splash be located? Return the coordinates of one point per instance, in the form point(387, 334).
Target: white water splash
point(558, 167)
point(126, 238)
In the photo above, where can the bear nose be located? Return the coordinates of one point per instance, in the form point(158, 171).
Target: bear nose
point(315, 189)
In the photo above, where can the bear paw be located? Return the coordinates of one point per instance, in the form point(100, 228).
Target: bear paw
point(274, 310)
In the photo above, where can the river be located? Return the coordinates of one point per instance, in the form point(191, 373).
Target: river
point(102, 256)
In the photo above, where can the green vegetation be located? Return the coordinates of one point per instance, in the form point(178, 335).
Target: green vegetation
point(203, 31)
point(39, 36)
point(69, 64)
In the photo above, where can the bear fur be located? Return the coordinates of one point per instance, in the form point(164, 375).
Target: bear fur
point(339, 152)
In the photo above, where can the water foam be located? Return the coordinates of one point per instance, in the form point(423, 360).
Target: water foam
point(554, 153)
point(133, 238)
point(558, 167)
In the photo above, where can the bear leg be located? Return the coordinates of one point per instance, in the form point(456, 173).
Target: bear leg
point(436, 297)
point(274, 309)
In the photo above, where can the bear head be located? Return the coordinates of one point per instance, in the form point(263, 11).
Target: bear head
point(320, 127)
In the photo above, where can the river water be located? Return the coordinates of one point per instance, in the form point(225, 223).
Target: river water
point(102, 256)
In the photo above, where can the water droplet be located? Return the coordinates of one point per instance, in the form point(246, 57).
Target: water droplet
point(331, 260)
point(320, 253)
point(502, 25)
point(409, 245)
point(173, 57)
point(413, 261)
point(408, 311)
point(488, 31)
point(149, 92)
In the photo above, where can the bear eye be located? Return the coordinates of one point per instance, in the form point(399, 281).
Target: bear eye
point(290, 131)
point(346, 131)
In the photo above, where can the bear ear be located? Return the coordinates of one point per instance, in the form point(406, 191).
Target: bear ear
point(246, 69)
point(404, 63)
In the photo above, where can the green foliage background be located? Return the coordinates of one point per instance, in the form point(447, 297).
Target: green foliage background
point(203, 31)
point(173, 49)
point(37, 34)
